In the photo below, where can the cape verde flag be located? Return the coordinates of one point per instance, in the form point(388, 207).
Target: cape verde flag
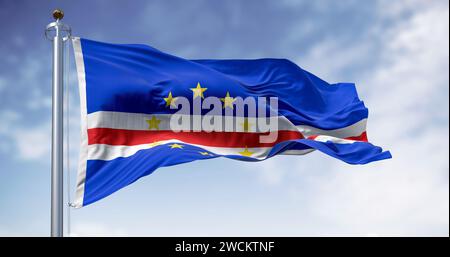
point(129, 93)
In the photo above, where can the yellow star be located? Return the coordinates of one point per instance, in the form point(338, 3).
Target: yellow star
point(246, 125)
point(170, 101)
point(154, 144)
point(204, 153)
point(153, 123)
point(176, 146)
point(228, 101)
point(246, 152)
point(198, 91)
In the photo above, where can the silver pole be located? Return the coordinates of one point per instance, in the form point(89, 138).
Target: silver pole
point(60, 34)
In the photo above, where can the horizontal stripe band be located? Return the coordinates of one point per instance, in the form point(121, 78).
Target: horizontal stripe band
point(139, 121)
point(221, 139)
point(110, 152)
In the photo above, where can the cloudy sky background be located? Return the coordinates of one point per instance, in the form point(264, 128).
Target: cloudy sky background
point(397, 52)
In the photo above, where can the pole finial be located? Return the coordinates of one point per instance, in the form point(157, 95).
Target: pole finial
point(58, 14)
point(57, 27)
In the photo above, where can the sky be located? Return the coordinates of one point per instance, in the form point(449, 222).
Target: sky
point(397, 53)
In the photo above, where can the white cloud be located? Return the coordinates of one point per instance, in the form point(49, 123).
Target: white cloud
point(329, 58)
point(8, 118)
point(33, 143)
point(33, 140)
point(269, 173)
point(406, 91)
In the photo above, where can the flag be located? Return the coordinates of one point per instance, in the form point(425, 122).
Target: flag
point(142, 109)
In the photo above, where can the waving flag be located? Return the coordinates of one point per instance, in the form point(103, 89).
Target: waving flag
point(130, 115)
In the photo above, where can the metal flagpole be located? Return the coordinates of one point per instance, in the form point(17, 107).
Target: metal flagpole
point(58, 33)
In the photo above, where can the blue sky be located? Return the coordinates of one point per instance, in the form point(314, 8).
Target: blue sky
point(395, 51)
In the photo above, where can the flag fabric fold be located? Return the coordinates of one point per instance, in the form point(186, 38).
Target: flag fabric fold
point(128, 94)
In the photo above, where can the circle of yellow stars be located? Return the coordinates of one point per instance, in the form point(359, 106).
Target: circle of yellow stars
point(198, 91)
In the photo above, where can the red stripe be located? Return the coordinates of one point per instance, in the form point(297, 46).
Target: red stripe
point(362, 137)
point(221, 139)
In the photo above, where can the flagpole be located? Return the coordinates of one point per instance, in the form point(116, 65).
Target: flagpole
point(58, 33)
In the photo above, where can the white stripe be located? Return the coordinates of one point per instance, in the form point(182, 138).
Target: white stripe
point(297, 152)
point(353, 130)
point(138, 121)
point(334, 140)
point(81, 177)
point(110, 152)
